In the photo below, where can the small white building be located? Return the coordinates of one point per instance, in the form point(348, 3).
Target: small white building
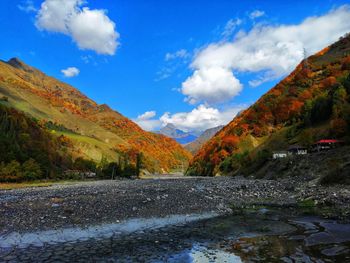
point(279, 155)
point(297, 150)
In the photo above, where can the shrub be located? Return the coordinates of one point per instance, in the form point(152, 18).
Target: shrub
point(31, 170)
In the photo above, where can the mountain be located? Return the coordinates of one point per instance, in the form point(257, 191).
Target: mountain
point(96, 131)
point(194, 146)
point(311, 103)
point(180, 136)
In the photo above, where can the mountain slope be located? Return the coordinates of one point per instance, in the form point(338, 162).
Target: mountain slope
point(96, 130)
point(180, 136)
point(27, 150)
point(194, 146)
point(311, 103)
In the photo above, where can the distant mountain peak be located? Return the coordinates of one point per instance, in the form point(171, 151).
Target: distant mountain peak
point(170, 126)
point(182, 137)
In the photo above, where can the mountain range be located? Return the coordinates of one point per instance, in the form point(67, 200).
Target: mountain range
point(94, 131)
point(312, 103)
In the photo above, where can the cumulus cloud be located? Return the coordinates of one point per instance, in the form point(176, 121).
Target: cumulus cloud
point(70, 72)
point(182, 53)
point(256, 14)
point(200, 118)
point(211, 84)
point(147, 115)
point(146, 121)
point(89, 29)
point(27, 6)
point(270, 51)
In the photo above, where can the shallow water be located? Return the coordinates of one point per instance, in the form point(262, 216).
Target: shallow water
point(255, 237)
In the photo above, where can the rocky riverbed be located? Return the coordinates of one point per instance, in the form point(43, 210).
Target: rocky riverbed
point(91, 203)
point(221, 219)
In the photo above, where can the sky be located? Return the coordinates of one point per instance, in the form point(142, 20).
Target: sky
point(195, 64)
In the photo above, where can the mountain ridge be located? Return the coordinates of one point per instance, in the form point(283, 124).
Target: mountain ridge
point(98, 129)
point(194, 146)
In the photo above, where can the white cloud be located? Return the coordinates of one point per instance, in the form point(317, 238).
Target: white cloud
point(70, 72)
point(147, 115)
point(205, 80)
point(90, 29)
point(270, 51)
point(146, 121)
point(200, 118)
point(27, 6)
point(197, 120)
point(173, 62)
point(256, 14)
point(182, 53)
point(87, 59)
point(230, 27)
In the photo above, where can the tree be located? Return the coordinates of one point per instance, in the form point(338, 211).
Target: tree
point(339, 101)
point(84, 165)
point(31, 170)
point(139, 164)
point(346, 84)
point(10, 171)
point(321, 110)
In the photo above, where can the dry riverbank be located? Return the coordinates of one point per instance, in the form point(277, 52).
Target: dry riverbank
point(90, 203)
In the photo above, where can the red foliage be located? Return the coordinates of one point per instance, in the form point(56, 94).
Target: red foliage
point(329, 82)
point(346, 63)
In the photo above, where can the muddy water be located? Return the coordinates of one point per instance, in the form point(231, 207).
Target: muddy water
point(256, 237)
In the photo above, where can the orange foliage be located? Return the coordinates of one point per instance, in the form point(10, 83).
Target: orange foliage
point(280, 106)
point(329, 82)
point(346, 63)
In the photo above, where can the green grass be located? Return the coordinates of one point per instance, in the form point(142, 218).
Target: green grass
point(10, 186)
point(91, 147)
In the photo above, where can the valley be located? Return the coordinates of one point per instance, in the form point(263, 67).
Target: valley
point(175, 131)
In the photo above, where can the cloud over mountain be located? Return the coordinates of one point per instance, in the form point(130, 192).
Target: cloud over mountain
point(199, 119)
point(270, 51)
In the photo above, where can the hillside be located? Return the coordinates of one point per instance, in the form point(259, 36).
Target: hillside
point(27, 150)
point(194, 146)
point(178, 135)
point(310, 104)
point(96, 131)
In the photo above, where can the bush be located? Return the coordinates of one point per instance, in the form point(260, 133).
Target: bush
point(31, 170)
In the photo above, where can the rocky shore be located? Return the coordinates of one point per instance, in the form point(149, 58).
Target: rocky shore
point(90, 203)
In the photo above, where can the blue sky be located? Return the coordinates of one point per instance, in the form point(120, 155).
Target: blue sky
point(191, 63)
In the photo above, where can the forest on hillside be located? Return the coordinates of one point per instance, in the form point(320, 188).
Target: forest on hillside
point(312, 103)
point(29, 151)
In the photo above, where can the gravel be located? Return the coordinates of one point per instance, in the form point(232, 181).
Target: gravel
point(90, 203)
